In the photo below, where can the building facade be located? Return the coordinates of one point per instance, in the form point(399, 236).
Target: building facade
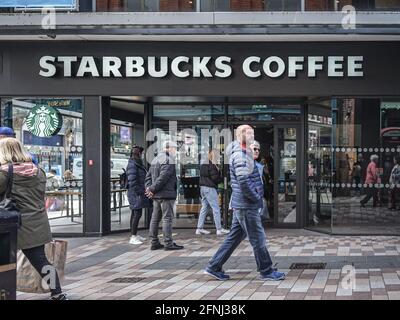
point(316, 79)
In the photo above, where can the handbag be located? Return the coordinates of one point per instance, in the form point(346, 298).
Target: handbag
point(9, 212)
point(29, 280)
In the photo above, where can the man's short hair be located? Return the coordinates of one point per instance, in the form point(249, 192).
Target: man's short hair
point(241, 129)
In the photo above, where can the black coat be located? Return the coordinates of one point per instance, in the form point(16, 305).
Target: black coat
point(210, 176)
point(161, 178)
point(136, 174)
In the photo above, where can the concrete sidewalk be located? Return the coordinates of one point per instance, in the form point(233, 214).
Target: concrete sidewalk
point(109, 268)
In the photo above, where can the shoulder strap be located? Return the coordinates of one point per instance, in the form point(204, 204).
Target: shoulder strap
point(7, 194)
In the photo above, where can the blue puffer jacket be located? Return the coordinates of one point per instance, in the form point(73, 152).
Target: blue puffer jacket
point(136, 174)
point(246, 183)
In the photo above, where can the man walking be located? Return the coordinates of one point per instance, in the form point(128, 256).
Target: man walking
point(246, 201)
point(161, 186)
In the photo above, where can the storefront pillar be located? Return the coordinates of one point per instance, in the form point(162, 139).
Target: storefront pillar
point(95, 168)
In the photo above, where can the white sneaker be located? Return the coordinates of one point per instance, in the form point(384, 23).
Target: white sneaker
point(135, 240)
point(141, 238)
point(202, 231)
point(222, 231)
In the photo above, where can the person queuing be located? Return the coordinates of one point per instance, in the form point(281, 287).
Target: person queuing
point(28, 192)
point(161, 186)
point(255, 147)
point(246, 201)
point(136, 174)
point(210, 177)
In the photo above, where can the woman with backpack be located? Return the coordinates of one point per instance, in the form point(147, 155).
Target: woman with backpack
point(136, 174)
point(28, 189)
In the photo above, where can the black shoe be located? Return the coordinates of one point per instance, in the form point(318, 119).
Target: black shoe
point(61, 296)
point(156, 246)
point(174, 246)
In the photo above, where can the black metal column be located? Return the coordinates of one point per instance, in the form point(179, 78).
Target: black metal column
point(96, 184)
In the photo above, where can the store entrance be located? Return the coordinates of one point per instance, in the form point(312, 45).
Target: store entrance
point(278, 156)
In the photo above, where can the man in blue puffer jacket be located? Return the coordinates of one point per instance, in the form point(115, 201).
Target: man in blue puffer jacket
point(246, 201)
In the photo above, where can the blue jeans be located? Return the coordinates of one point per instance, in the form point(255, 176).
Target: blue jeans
point(264, 210)
point(250, 220)
point(209, 200)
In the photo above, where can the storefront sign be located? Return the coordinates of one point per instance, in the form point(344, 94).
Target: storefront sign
point(200, 67)
point(44, 121)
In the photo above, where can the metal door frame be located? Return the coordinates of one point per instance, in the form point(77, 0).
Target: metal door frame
point(299, 150)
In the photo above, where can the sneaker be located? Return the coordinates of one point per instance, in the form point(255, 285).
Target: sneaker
point(222, 232)
point(61, 296)
point(273, 276)
point(202, 231)
point(141, 238)
point(219, 275)
point(135, 240)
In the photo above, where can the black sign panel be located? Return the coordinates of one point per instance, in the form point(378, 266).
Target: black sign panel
point(202, 68)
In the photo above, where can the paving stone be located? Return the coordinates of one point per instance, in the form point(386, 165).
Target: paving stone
point(178, 275)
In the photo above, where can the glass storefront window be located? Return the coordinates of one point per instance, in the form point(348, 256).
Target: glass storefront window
point(354, 188)
point(365, 5)
point(263, 112)
point(191, 149)
point(145, 5)
point(188, 112)
point(251, 5)
point(51, 130)
point(319, 170)
point(123, 135)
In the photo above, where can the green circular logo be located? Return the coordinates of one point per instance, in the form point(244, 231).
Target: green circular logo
point(44, 121)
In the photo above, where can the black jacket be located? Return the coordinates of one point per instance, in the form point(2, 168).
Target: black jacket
point(210, 176)
point(161, 178)
point(136, 174)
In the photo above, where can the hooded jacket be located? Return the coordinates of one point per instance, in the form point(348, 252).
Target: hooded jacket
point(136, 174)
point(246, 183)
point(28, 192)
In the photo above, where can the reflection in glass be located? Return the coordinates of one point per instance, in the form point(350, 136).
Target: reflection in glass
point(123, 135)
point(60, 155)
point(191, 151)
point(287, 186)
point(352, 183)
point(263, 112)
point(188, 112)
point(145, 5)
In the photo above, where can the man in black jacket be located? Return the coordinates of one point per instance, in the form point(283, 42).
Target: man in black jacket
point(161, 186)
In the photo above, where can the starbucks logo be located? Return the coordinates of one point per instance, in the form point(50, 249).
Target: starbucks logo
point(44, 121)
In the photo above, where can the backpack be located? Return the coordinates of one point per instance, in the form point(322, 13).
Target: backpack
point(123, 180)
point(8, 208)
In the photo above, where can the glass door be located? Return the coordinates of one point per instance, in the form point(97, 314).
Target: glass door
point(286, 153)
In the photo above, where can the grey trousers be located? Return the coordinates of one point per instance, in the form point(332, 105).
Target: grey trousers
point(162, 209)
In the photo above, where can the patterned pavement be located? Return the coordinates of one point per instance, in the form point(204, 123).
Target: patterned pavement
point(108, 268)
